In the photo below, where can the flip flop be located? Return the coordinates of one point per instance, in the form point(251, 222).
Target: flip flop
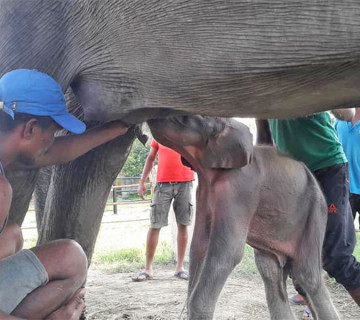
point(182, 274)
point(307, 314)
point(297, 302)
point(138, 279)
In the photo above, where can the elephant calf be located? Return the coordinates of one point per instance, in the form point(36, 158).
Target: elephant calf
point(254, 195)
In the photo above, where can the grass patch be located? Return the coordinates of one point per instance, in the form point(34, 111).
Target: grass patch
point(30, 242)
point(247, 267)
point(132, 259)
point(357, 247)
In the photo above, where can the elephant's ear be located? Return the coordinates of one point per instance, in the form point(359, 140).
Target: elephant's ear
point(232, 148)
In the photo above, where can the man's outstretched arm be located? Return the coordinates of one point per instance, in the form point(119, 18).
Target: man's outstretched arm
point(149, 163)
point(67, 148)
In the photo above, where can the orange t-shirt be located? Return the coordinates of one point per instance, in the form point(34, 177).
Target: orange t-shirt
point(170, 167)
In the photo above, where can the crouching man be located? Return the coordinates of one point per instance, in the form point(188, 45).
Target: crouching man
point(43, 282)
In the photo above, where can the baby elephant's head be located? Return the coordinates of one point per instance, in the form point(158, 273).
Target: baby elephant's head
point(216, 142)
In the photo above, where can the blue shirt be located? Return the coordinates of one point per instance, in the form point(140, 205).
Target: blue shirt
point(349, 137)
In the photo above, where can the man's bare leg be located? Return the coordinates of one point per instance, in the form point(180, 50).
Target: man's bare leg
point(72, 310)
point(151, 244)
point(182, 239)
point(66, 265)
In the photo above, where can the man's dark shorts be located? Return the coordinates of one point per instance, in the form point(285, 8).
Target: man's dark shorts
point(164, 193)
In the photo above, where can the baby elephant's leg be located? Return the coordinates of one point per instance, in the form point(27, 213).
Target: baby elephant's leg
point(225, 250)
point(274, 279)
point(308, 275)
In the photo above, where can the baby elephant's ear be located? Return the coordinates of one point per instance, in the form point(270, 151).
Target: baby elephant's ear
point(230, 149)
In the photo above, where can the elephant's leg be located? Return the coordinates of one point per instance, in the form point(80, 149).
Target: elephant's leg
point(308, 275)
point(23, 184)
point(78, 193)
point(40, 194)
point(199, 244)
point(274, 279)
point(225, 251)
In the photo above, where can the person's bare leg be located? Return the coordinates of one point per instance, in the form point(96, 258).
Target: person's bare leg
point(66, 265)
point(182, 239)
point(72, 310)
point(151, 244)
point(11, 240)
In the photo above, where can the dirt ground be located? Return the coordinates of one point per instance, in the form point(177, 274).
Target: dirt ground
point(115, 296)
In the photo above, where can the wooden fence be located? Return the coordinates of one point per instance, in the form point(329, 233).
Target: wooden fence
point(125, 187)
point(122, 188)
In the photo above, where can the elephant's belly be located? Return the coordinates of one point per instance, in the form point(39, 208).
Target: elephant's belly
point(274, 237)
point(286, 248)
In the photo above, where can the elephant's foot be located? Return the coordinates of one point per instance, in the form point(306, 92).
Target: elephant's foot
point(193, 315)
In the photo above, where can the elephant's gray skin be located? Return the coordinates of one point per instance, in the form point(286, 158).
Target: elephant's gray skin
point(134, 60)
point(254, 195)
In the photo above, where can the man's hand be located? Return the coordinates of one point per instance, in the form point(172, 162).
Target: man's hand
point(344, 114)
point(72, 310)
point(142, 189)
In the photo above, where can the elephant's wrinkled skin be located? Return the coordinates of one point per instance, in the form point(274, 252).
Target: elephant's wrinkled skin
point(135, 60)
point(254, 195)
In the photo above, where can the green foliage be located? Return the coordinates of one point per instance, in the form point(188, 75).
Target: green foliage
point(357, 247)
point(135, 162)
point(247, 267)
point(126, 254)
point(132, 259)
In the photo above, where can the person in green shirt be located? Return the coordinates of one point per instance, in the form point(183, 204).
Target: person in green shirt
point(313, 140)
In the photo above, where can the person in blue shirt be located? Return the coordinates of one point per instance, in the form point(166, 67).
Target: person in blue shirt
point(349, 136)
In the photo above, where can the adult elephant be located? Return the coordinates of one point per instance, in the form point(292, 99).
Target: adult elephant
point(136, 60)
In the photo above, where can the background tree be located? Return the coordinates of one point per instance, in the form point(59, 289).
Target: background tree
point(135, 162)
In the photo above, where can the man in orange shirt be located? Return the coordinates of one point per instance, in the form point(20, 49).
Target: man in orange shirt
point(173, 182)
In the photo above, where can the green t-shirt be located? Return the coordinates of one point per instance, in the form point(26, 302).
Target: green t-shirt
point(311, 139)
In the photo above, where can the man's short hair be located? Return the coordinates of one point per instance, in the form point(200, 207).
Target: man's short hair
point(8, 125)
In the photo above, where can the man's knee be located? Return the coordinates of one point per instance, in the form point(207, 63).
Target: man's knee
point(182, 228)
point(63, 259)
point(76, 257)
point(345, 270)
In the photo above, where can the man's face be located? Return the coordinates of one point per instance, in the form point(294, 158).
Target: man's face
point(38, 143)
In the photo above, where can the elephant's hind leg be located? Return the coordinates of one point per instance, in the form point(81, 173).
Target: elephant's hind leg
point(274, 279)
point(308, 276)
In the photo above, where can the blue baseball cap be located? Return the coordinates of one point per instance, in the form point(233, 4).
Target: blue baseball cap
point(36, 93)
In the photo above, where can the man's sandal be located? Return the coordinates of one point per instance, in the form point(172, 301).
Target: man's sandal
point(142, 276)
point(307, 314)
point(182, 274)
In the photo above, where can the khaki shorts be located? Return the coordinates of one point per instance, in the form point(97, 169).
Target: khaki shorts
point(164, 193)
point(20, 274)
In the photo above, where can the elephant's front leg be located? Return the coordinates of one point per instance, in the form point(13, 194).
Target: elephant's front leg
point(200, 238)
point(78, 193)
point(23, 184)
point(229, 227)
